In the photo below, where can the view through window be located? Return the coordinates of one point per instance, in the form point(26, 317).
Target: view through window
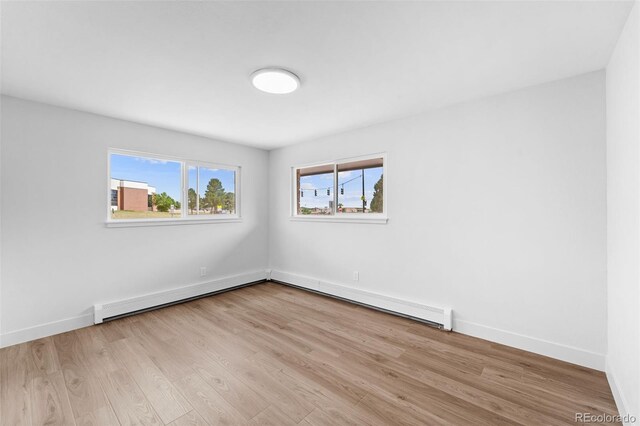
point(358, 188)
point(316, 193)
point(146, 187)
point(211, 191)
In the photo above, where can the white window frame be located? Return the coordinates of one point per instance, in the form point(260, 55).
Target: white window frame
point(377, 218)
point(185, 218)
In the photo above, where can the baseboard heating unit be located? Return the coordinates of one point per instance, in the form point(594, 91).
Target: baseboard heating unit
point(440, 317)
point(135, 305)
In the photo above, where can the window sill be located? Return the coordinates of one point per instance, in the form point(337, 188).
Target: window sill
point(166, 222)
point(338, 219)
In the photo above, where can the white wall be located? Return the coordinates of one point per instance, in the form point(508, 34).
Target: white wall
point(623, 216)
point(0, 215)
point(59, 259)
point(497, 209)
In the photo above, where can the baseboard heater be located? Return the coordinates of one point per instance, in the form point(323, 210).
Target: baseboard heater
point(136, 305)
point(439, 317)
point(433, 316)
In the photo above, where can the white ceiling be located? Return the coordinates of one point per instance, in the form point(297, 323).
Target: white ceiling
point(186, 65)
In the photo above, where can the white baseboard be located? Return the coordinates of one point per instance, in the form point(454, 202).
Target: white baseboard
point(44, 330)
point(532, 344)
point(528, 343)
point(618, 396)
point(439, 315)
point(119, 307)
point(133, 304)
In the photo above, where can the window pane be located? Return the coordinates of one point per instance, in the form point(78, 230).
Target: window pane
point(315, 190)
point(144, 188)
point(360, 187)
point(211, 191)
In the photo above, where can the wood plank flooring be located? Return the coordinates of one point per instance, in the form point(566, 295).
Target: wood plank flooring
point(275, 355)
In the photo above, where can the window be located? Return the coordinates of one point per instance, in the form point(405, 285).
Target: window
point(150, 188)
point(361, 186)
point(352, 188)
point(317, 184)
point(211, 191)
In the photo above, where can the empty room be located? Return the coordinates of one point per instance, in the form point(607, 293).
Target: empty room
point(320, 213)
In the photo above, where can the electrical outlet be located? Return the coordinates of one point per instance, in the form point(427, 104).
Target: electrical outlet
point(356, 276)
point(203, 271)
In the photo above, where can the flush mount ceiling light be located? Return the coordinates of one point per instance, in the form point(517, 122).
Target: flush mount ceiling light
point(275, 80)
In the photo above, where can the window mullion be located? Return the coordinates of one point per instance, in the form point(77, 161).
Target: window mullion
point(197, 190)
point(335, 189)
point(184, 203)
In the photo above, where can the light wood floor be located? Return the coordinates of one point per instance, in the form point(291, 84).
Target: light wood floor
point(270, 354)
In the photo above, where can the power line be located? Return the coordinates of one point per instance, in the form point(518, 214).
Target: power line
point(328, 188)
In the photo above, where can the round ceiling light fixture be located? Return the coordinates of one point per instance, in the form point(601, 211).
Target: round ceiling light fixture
point(275, 80)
